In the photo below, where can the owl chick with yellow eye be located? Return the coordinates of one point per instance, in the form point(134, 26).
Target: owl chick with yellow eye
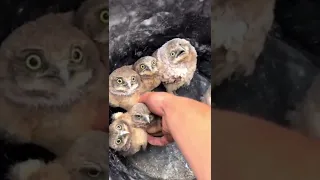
point(178, 63)
point(141, 117)
point(148, 68)
point(124, 137)
point(92, 17)
point(51, 80)
point(125, 87)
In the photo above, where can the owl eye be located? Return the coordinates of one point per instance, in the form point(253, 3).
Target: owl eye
point(76, 55)
point(33, 62)
point(104, 16)
point(133, 79)
point(142, 66)
point(118, 141)
point(153, 63)
point(93, 172)
point(119, 81)
point(172, 54)
point(138, 116)
point(119, 127)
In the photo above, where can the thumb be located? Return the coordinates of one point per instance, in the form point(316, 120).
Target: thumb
point(160, 141)
point(155, 101)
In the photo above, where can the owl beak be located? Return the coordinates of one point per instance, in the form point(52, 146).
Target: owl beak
point(64, 75)
point(122, 133)
point(54, 74)
point(180, 55)
point(129, 84)
point(147, 118)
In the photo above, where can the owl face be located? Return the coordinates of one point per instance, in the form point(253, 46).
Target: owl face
point(124, 81)
point(119, 136)
point(177, 50)
point(146, 66)
point(93, 18)
point(86, 159)
point(47, 63)
point(141, 114)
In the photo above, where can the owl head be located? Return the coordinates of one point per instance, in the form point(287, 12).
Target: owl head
point(124, 81)
point(93, 18)
point(119, 135)
point(87, 157)
point(47, 62)
point(176, 51)
point(141, 115)
point(146, 66)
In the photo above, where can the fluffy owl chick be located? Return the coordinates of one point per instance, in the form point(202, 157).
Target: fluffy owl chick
point(148, 69)
point(51, 80)
point(85, 160)
point(141, 117)
point(93, 18)
point(125, 87)
point(206, 98)
point(178, 63)
point(239, 30)
point(306, 117)
point(124, 137)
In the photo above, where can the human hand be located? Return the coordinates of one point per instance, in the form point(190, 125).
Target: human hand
point(156, 102)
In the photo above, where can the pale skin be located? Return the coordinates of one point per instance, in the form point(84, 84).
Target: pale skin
point(245, 148)
point(180, 126)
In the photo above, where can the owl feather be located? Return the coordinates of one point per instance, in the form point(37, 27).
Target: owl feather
point(239, 31)
point(178, 63)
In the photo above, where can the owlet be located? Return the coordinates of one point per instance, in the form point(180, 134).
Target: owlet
point(125, 87)
point(53, 86)
point(92, 17)
point(124, 137)
point(85, 160)
point(141, 117)
point(239, 31)
point(148, 69)
point(179, 61)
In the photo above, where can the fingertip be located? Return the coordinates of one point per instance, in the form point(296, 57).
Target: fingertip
point(143, 98)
